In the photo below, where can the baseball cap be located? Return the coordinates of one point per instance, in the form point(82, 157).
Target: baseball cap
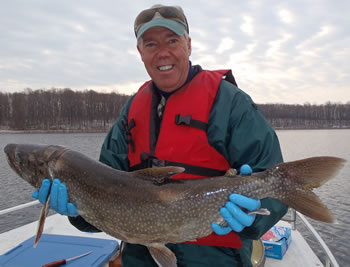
point(170, 17)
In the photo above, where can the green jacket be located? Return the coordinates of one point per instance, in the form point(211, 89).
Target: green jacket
point(238, 130)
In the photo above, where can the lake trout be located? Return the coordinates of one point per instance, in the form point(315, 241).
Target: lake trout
point(148, 207)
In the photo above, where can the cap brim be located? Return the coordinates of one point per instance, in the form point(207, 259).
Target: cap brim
point(172, 25)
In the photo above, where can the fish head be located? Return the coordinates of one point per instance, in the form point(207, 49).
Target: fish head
point(33, 163)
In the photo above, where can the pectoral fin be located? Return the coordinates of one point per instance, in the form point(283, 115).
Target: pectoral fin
point(163, 256)
point(261, 211)
point(41, 222)
point(44, 212)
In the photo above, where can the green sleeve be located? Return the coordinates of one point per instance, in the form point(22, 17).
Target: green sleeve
point(114, 151)
point(239, 131)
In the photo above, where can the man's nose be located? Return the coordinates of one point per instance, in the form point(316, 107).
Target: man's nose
point(163, 51)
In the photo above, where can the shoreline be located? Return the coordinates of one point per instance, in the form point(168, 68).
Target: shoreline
point(333, 128)
point(53, 131)
point(106, 130)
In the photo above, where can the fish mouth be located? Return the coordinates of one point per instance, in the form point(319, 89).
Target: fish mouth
point(10, 151)
point(15, 159)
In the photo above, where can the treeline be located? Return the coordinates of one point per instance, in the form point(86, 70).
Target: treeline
point(307, 116)
point(59, 110)
point(68, 110)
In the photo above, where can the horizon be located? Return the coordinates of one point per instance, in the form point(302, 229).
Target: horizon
point(30, 90)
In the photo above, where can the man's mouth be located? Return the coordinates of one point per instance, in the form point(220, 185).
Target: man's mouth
point(165, 67)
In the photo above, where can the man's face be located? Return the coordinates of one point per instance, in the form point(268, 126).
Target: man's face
point(166, 57)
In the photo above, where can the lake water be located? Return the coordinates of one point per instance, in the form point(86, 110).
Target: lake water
point(295, 145)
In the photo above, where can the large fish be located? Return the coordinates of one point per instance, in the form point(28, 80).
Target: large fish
point(147, 207)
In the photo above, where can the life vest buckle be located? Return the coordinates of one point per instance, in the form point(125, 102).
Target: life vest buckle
point(184, 120)
point(188, 121)
point(150, 161)
point(158, 163)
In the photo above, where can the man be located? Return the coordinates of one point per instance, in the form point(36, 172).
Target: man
point(190, 117)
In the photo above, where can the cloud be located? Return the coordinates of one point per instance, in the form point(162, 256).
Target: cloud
point(248, 25)
point(289, 52)
point(286, 16)
point(226, 44)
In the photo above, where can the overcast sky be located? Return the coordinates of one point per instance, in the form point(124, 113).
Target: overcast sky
point(279, 51)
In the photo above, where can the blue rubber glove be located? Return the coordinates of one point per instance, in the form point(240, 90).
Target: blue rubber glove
point(58, 197)
point(235, 217)
point(245, 170)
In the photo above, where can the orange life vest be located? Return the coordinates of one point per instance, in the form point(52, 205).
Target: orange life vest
point(182, 139)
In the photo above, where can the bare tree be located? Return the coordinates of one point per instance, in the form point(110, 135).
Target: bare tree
point(65, 109)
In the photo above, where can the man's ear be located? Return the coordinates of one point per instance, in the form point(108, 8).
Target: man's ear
point(189, 46)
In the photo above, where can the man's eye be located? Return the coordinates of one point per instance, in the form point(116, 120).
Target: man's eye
point(150, 44)
point(173, 41)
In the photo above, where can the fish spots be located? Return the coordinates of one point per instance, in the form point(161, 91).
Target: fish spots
point(137, 211)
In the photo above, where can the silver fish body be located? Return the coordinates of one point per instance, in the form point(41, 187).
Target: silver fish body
point(147, 207)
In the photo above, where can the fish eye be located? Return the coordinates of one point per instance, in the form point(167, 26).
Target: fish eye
point(40, 162)
point(18, 156)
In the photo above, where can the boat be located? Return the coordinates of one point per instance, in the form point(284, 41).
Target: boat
point(299, 252)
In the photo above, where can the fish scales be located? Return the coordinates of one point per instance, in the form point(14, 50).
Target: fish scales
point(147, 207)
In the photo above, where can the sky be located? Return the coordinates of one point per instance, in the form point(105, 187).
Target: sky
point(291, 52)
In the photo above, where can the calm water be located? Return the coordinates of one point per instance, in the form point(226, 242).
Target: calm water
point(295, 145)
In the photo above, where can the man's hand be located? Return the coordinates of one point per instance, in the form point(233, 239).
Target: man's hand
point(235, 217)
point(245, 170)
point(58, 197)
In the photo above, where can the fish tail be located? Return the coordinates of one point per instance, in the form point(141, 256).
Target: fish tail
point(305, 175)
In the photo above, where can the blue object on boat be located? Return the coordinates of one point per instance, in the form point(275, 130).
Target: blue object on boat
point(56, 247)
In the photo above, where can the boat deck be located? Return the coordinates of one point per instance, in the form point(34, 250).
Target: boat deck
point(298, 254)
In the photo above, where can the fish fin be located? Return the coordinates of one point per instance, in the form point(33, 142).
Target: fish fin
point(159, 175)
point(41, 222)
point(261, 211)
point(223, 224)
point(231, 172)
point(163, 256)
point(309, 204)
point(308, 174)
point(314, 171)
point(44, 212)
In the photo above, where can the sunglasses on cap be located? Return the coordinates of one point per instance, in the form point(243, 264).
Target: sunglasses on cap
point(168, 12)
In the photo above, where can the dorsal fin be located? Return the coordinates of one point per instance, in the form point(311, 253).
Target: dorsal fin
point(159, 175)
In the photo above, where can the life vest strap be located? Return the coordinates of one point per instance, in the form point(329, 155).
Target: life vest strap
point(197, 170)
point(188, 121)
point(127, 128)
point(150, 161)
